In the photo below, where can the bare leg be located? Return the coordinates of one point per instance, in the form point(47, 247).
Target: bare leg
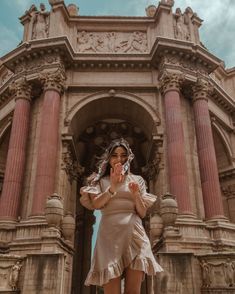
point(113, 286)
point(133, 281)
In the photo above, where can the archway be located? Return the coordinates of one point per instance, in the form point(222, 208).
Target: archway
point(93, 126)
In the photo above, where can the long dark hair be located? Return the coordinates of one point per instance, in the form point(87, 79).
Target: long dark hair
point(103, 164)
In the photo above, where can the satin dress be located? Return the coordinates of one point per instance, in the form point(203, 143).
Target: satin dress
point(121, 239)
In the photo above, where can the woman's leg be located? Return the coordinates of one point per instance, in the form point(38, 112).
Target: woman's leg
point(113, 286)
point(133, 280)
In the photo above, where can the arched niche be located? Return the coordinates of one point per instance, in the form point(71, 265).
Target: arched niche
point(94, 122)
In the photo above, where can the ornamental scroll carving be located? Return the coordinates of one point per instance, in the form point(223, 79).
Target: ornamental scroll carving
point(112, 42)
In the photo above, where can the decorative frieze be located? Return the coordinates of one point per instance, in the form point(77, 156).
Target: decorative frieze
point(112, 42)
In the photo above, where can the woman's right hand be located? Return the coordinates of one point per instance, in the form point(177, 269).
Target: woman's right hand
point(116, 176)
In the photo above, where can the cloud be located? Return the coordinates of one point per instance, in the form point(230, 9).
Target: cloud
point(218, 27)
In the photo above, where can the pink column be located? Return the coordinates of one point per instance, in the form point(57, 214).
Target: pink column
point(177, 167)
point(48, 142)
point(206, 152)
point(16, 157)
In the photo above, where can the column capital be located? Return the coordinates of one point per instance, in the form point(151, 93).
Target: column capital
point(21, 89)
point(202, 89)
point(171, 82)
point(53, 80)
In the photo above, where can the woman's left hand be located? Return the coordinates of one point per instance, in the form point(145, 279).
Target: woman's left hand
point(134, 188)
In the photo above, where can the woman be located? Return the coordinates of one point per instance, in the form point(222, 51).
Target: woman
point(122, 247)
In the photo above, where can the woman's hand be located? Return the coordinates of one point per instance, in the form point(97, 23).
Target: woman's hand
point(134, 189)
point(116, 177)
point(136, 195)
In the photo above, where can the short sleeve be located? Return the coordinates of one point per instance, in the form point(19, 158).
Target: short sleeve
point(86, 193)
point(149, 199)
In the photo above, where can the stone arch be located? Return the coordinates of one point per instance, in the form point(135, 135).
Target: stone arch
point(222, 147)
point(112, 94)
point(84, 121)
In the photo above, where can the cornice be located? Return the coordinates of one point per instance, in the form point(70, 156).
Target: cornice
point(61, 50)
point(184, 50)
point(223, 99)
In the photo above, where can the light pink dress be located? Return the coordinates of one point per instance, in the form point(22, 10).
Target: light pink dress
point(121, 239)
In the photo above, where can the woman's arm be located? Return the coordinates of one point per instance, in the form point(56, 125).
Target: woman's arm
point(99, 201)
point(139, 203)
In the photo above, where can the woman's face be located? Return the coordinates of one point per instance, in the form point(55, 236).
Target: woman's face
point(119, 155)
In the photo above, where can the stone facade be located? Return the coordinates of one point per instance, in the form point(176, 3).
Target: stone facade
point(75, 83)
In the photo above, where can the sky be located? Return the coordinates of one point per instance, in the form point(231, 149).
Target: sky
point(217, 32)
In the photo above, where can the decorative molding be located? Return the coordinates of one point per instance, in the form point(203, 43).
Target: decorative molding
point(112, 42)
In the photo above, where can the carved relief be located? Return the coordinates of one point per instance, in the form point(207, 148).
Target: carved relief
point(229, 191)
point(21, 89)
point(202, 89)
point(53, 80)
point(151, 170)
point(14, 275)
point(36, 64)
point(69, 163)
point(219, 273)
point(10, 266)
point(40, 21)
point(206, 274)
point(171, 81)
point(181, 25)
point(112, 42)
point(5, 77)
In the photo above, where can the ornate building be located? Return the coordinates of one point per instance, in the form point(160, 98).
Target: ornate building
point(73, 84)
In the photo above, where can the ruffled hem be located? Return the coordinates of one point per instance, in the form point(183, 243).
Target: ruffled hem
point(132, 258)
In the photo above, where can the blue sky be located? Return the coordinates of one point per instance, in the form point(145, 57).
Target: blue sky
point(217, 31)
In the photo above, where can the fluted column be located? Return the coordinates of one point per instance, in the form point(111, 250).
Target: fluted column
point(16, 157)
point(206, 152)
point(48, 140)
point(177, 167)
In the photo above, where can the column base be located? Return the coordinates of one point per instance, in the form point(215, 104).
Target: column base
point(8, 224)
point(216, 220)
